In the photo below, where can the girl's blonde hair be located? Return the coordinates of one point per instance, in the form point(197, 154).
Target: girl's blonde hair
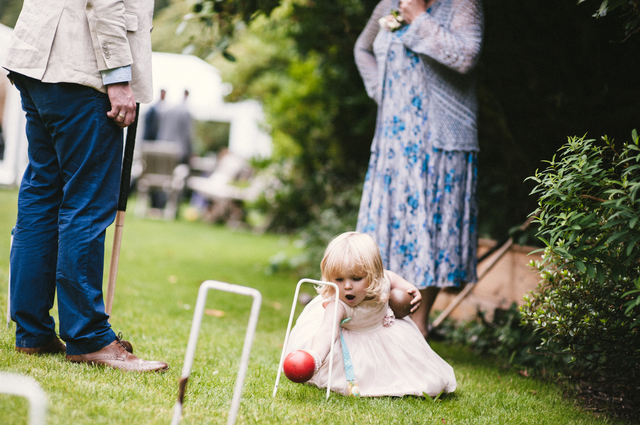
point(353, 251)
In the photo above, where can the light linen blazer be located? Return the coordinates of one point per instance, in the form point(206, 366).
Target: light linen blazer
point(71, 41)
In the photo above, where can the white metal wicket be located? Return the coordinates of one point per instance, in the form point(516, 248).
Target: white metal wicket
point(25, 386)
point(286, 337)
point(193, 340)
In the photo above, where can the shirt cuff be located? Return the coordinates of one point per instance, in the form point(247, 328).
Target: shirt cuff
point(116, 75)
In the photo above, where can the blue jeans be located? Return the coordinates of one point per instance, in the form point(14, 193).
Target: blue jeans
point(68, 197)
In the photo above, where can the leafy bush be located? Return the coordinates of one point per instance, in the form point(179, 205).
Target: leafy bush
point(588, 216)
point(507, 338)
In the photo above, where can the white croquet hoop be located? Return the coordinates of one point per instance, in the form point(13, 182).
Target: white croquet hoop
point(286, 337)
point(27, 387)
point(193, 340)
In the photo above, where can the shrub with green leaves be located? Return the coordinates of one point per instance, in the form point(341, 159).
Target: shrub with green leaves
point(506, 338)
point(589, 211)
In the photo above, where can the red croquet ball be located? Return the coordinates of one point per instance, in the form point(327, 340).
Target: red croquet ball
point(299, 366)
point(400, 302)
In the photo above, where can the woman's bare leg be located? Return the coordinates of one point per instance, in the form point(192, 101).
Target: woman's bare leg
point(421, 316)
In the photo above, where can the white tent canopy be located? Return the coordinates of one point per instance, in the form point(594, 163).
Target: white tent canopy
point(174, 73)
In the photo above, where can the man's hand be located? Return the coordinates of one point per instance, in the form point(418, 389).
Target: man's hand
point(123, 104)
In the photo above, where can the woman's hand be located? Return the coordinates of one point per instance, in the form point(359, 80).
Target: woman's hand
point(411, 9)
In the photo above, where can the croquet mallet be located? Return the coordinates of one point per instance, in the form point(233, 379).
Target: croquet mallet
point(9, 284)
point(125, 182)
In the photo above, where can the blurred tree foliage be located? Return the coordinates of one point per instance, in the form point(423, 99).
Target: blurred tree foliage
point(630, 13)
point(9, 11)
point(548, 71)
point(299, 88)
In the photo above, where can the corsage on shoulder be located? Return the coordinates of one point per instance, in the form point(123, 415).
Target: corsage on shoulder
point(392, 22)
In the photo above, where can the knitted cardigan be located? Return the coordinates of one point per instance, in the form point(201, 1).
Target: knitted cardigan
point(448, 41)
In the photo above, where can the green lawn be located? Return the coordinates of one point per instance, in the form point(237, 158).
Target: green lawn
point(161, 268)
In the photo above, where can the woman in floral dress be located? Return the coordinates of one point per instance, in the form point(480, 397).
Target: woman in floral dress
point(419, 201)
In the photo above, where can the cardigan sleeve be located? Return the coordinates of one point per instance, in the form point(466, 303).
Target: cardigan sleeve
point(363, 51)
point(457, 47)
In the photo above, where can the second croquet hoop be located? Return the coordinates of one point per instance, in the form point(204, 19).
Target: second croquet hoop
point(193, 341)
point(125, 182)
point(286, 336)
point(24, 386)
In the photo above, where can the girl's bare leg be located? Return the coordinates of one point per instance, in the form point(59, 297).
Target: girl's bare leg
point(421, 316)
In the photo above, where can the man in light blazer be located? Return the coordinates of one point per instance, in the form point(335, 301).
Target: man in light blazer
point(80, 67)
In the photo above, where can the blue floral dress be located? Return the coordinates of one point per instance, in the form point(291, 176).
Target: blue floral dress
point(419, 203)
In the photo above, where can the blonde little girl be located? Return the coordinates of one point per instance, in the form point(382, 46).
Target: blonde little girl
point(383, 355)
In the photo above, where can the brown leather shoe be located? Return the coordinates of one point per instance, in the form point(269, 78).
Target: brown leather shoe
point(127, 344)
point(54, 347)
point(115, 355)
